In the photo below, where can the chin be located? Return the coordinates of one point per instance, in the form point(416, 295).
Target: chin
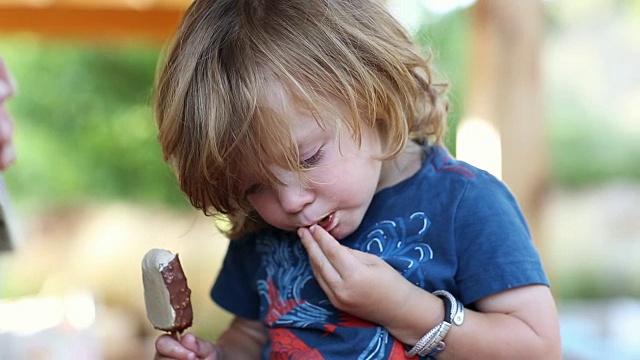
point(339, 233)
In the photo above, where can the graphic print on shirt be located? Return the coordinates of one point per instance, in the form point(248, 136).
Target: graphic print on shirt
point(288, 271)
point(401, 245)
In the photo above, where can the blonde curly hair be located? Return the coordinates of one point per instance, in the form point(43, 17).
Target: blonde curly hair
point(214, 128)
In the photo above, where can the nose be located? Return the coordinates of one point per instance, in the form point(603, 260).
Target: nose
point(294, 197)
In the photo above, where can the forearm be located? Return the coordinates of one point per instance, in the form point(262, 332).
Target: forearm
point(499, 331)
point(243, 340)
point(518, 323)
point(498, 336)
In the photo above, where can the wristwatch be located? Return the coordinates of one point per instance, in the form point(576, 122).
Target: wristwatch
point(432, 342)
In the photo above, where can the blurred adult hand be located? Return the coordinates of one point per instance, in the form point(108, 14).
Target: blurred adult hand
point(7, 88)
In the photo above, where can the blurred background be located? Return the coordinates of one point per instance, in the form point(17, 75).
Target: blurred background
point(545, 94)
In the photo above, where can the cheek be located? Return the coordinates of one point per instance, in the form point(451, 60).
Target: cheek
point(263, 203)
point(349, 179)
point(268, 207)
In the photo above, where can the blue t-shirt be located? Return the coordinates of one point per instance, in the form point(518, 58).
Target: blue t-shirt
point(450, 226)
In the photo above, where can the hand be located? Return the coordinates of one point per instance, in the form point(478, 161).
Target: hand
point(7, 88)
point(356, 282)
point(188, 347)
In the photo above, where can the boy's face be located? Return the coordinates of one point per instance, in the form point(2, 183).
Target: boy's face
point(338, 186)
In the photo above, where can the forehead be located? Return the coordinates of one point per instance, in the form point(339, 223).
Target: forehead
point(276, 133)
point(300, 117)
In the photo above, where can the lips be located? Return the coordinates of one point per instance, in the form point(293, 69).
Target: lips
point(327, 222)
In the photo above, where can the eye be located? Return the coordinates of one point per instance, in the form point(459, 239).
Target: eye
point(312, 160)
point(253, 189)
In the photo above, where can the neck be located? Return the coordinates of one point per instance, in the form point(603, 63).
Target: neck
point(401, 167)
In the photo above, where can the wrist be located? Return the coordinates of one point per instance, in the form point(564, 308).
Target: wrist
point(420, 310)
point(432, 343)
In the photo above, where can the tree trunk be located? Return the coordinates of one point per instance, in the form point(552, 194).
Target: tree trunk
point(505, 92)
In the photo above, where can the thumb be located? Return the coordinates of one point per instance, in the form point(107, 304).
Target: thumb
point(190, 342)
point(201, 348)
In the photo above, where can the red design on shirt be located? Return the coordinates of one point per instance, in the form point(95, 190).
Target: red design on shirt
point(348, 320)
point(398, 353)
point(277, 306)
point(286, 346)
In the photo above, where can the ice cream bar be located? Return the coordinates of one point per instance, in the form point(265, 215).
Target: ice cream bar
point(166, 294)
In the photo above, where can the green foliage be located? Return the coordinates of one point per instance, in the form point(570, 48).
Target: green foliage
point(85, 129)
point(582, 150)
point(445, 39)
point(590, 283)
point(84, 124)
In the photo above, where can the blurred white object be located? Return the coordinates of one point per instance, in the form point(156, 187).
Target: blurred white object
point(606, 329)
point(48, 327)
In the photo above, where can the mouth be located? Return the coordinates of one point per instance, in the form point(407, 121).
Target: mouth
point(327, 222)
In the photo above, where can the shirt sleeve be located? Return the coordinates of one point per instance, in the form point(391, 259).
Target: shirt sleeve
point(494, 245)
point(235, 288)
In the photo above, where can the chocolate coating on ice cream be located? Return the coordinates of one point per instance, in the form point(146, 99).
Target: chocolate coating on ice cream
point(179, 295)
point(166, 293)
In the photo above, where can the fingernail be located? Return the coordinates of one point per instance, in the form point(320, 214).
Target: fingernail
point(312, 228)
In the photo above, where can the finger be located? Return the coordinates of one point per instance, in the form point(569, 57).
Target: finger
point(340, 257)
point(190, 342)
point(365, 258)
point(203, 349)
point(322, 267)
point(168, 347)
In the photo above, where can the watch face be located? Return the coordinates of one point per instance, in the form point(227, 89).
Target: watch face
point(458, 317)
point(453, 308)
